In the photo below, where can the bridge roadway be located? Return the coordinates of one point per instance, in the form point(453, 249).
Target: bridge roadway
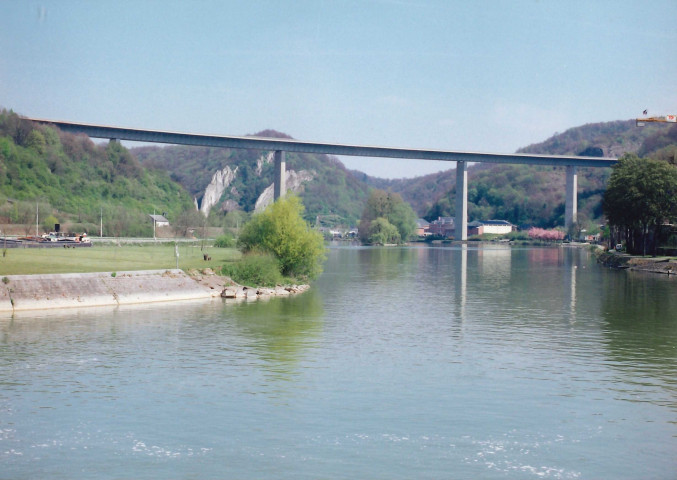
point(280, 146)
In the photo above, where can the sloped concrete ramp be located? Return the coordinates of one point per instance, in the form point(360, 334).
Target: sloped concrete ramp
point(33, 292)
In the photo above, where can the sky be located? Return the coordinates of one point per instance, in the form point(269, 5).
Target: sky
point(481, 76)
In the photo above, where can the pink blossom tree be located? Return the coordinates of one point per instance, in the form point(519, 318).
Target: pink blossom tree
point(551, 235)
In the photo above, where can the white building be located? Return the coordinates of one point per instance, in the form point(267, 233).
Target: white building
point(159, 220)
point(500, 227)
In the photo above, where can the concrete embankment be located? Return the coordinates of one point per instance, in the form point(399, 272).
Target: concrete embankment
point(55, 291)
point(31, 292)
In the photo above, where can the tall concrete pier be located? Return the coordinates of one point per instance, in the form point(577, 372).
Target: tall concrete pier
point(280, 185)
point(461, 220)
point(571, 201)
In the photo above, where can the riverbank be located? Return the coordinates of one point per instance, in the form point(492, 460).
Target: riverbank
point(611, 259)
point(53, 291)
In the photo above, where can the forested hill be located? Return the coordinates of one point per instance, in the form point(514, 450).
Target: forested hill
point(527, 195)
point(611, 139)
point(327, 189)
point(76, 181)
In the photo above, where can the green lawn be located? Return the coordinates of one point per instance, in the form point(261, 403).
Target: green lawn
point(107, 258)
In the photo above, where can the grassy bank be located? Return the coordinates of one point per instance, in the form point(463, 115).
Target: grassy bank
point(108, 258)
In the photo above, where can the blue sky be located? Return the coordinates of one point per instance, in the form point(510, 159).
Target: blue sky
point(488, 76)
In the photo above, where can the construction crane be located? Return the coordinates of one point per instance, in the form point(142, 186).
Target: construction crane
point(664, 119)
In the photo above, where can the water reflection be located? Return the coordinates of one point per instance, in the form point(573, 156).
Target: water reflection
point(640, 337)
point(461, 283)
point(572, 292)
point(380, 264)
point(280, 330)
point(447, 365)
point(548, 256)
point(494, 264)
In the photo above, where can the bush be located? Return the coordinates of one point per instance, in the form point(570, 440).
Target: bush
point(88, 227)
point(224, 241)
point(282, 231)
point(255, 269)
point(517, 236)
point(49, 222)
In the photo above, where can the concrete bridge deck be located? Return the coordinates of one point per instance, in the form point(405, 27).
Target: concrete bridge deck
point(280, 146)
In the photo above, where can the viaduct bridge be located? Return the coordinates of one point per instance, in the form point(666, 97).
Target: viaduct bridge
point(281, 146)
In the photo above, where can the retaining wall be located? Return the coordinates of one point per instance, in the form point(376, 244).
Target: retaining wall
point(31, 292)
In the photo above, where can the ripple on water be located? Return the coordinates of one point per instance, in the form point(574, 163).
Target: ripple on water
point(396, 365)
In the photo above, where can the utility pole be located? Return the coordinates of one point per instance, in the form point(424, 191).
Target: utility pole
point(37, 216)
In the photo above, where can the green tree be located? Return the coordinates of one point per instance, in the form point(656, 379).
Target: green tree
point(640, 197)
point(36, 141)
point(391, 207)
point(234, 220)
point(382, 232)
point(49, 222)
point(119, 221)
point(281, 230)
point(23, 213)
point(189, 219)
point(404, 220)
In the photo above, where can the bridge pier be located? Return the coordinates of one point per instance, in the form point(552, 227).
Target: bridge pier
point(571, 203)
point(461, 220)
point(280, 185)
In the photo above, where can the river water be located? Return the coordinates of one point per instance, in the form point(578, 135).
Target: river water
point(399, 363)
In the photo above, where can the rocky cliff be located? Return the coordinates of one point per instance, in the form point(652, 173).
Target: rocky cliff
point(220, 181)
point(294, 183)
point(223, 178)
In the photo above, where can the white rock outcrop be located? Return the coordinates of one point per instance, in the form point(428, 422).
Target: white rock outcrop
point(220, 181)
point(262, 160)
point(295, 181)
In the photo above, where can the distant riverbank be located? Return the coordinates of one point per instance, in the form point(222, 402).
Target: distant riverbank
point(664, 265)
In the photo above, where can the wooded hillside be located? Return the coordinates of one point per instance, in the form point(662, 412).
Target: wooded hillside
point(76, 181)
point(526, 195)
point(333, 192)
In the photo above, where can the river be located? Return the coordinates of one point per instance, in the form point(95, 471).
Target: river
point(418, 362)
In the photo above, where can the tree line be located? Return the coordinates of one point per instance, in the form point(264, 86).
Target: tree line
point(77, 182)
point(640, 202)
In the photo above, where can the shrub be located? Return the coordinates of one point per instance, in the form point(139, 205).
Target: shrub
point(88, 227)
point(255, 269)
point(281, 230)
point(224, 241)
point(49, 222)
point(517, 236)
